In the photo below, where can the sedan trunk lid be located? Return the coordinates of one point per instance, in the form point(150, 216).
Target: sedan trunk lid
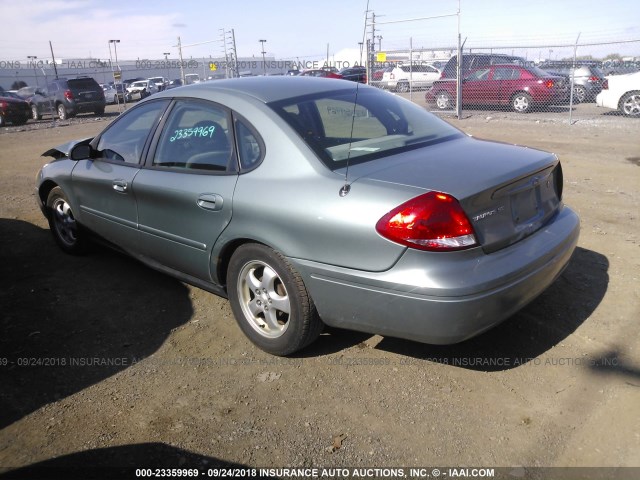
point(508, 192)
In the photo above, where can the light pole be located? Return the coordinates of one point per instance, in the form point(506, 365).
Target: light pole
point(115, 50)
point(33, 62)
point(379, 37)
point(264, 62)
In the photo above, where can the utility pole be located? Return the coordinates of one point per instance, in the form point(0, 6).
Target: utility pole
point(264, 62)
point(181, 61)
point(235, 54)
point(226, 58)
point(55, 68)
point(373, 29)
point(166, 61)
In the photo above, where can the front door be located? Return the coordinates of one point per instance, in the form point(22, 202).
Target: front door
point(104, 185)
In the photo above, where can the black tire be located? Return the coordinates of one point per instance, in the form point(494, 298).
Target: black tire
point(402, 87)
point(3, 122)
point(34, 113)
point(579, 94)
point(522, 102)
point(62, 111)
point(67, 233)
point(630, 104)
point(262, 285)
point(99, 111)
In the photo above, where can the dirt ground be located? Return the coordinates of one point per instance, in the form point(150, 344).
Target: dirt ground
point(106, 362)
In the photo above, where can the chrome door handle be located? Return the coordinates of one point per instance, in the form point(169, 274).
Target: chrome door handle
point(210, 201)
point(120, 186)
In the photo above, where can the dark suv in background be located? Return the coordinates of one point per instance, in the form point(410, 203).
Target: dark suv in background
point(67, 97)
point(473, 61)
point(588, 79)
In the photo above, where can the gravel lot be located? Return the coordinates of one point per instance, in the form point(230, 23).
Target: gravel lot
point(105, 362)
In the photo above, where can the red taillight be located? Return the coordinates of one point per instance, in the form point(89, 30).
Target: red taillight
point(548, 84)
point(4, 104)
point(434, 221)
point(593, 78)
point(68, 95)
point(605, 84)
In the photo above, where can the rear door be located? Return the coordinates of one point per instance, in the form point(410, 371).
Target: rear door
point(184, 195)
point(508, 80)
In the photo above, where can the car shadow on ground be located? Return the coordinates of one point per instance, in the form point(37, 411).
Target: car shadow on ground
point(70, 322)
point(125, 460)
point(545, 322)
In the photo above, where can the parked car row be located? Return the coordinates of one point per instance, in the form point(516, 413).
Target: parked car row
point(354, 74)
point(115, 93)
point(68, 97)
point(498, 80)
point(65, 97)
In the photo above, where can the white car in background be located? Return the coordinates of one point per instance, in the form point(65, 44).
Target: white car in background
point(417, 75)
point(160, 82)
point(622, 93)
point(142, 89)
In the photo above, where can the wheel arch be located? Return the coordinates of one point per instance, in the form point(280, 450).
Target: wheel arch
point(44, 189)
point(224, 257)
point(630, 92)
point(519, 92)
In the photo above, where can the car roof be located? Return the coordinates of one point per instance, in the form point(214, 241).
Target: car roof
point(265, 89)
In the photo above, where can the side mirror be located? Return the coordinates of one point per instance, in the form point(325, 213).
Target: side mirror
point(81, 152)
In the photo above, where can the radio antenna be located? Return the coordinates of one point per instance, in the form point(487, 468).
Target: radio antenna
point(346, 188)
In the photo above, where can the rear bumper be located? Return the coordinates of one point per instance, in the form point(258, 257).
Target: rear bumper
point(84, 107)
point(443, 298)
point(607, 99)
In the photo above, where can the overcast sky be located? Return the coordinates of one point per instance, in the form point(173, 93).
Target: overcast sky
point(298, 29)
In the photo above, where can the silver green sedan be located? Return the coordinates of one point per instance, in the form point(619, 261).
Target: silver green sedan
point(311, 202)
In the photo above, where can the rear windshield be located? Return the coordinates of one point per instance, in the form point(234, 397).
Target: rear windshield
point(82, 83)
point(538, 72)
point(341, 129)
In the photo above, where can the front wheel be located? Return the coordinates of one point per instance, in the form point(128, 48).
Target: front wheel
point(62, 222)
point(521, 102)
point(270, 301)
point(630, 104)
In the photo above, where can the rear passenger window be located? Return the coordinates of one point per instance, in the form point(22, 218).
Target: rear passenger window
point(195, 136)
point(250, 146)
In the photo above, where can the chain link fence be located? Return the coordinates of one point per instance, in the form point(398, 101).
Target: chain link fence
point(569, 82)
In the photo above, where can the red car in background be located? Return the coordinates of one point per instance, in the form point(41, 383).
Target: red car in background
point(520, 87)
point(320, 73)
